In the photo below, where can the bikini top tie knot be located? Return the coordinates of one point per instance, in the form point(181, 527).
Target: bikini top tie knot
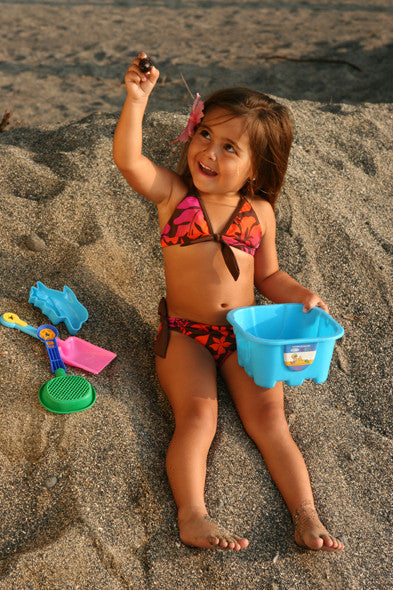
point(227, 252)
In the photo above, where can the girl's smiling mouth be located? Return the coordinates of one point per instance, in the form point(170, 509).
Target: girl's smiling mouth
point(206, 170)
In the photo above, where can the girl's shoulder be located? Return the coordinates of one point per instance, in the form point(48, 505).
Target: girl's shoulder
point(265, 213)
point(167, 206)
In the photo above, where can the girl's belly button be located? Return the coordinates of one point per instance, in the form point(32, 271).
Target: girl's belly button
point(224, 304)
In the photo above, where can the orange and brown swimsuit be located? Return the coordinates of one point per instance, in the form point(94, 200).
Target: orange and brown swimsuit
point(190, 224)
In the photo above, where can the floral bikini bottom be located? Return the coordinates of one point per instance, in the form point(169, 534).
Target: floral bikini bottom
point(220, 341)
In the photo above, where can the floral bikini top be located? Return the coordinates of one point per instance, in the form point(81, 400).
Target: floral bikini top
point(190, 224)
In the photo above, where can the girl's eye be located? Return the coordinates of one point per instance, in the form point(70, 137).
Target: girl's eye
point(229, 148)
point(204, 133)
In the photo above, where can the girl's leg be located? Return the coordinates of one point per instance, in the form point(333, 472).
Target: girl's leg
point(262, 413)
point(188, 378)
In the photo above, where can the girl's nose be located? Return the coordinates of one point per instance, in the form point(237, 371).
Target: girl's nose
point(211, 152)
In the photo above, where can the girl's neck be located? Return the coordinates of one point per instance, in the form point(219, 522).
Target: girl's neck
point(227, 199)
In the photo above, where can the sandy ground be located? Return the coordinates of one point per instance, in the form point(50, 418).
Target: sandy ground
point(84, 498)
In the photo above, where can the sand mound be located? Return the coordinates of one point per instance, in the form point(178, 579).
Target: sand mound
point(84, 497)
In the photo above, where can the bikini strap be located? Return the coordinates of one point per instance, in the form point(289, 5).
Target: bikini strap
point(161, 343)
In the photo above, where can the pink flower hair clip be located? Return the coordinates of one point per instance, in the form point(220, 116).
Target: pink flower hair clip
point(193, 120)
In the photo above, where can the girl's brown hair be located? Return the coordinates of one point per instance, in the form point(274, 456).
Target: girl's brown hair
point(270, 131)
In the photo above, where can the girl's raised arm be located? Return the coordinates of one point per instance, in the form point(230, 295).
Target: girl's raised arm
point(154, 182)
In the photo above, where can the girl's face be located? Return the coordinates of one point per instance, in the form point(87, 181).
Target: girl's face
point(219, 156)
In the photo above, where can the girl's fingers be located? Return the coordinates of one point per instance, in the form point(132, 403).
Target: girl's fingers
point(319, 303)
point(132, 78)
point(135, 74)
point(139, 85)
point(153, 75)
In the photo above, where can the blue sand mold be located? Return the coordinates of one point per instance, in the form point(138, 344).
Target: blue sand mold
point(59, 306)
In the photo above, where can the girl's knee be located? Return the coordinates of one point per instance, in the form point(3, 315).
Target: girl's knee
point(201, 417)
point(268, 419)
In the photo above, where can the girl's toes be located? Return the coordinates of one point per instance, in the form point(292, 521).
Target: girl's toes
point(327, 540)
point(331, 543)
point(223, 543)
point(226, 544)
point(338, 544)
point(315, 543)
point(214, 541)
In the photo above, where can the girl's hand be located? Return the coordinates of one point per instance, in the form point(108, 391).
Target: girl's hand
point(313, 300)
point(139, 85)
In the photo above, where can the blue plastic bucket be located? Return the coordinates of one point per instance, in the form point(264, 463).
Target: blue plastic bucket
point(282, 343)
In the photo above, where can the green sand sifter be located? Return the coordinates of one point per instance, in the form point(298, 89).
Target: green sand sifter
point(64, 394)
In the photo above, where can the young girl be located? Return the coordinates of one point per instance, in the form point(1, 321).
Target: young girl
point(218, 237)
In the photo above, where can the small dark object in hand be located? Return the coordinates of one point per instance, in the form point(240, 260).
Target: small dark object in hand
point(145, 65)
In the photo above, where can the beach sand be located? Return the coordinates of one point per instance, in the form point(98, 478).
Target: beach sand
point(84, 498)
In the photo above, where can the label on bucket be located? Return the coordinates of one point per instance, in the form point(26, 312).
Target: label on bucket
point(299, 356)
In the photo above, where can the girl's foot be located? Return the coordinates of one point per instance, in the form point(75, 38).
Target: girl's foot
point(310, 532)
point(199, 530)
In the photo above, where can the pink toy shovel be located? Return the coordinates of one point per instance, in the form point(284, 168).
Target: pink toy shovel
point(74, 351)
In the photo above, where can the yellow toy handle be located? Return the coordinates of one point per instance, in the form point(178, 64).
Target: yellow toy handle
point(12, 318)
